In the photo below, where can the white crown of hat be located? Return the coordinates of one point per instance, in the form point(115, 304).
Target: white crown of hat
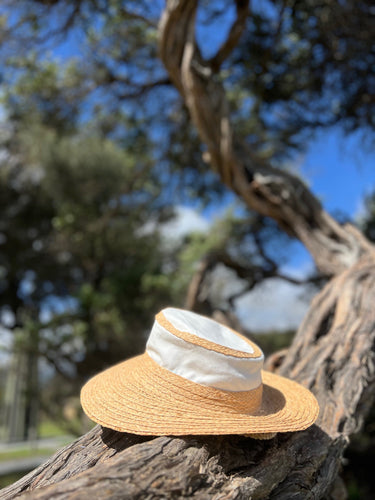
point(205, 352)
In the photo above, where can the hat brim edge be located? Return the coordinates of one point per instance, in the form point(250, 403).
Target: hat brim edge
point(129, 397)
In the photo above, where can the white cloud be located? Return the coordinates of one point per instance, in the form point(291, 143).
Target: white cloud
point(187, 220)
point(273, 305)
point(300, 271)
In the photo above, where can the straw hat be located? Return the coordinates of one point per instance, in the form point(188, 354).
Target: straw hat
point(197, 377)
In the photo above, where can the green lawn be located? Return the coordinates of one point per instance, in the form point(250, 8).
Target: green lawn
point(48, 428)
point(24, 453)
point(19, 454)
point(10, 479)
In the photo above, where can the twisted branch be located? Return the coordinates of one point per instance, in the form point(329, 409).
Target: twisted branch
point(269, 191)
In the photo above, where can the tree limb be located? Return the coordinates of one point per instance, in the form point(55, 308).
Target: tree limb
point(192, 301)
point(136, 16)
point(234, 35)
point(269, 191)
point(144, 88)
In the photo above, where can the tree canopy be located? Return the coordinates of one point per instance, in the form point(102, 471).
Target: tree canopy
point(298, 66)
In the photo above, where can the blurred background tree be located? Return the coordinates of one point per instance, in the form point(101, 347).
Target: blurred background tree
point(85, 264)
point(98, 149)
point(78, 271)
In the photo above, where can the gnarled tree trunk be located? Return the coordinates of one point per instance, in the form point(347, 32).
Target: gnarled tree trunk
point(332, 353)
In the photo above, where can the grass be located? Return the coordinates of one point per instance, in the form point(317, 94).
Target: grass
point(6, 456)
point(48, 428)
point(10, 479)
point(24, 453)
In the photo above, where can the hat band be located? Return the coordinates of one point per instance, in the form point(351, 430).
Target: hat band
point(234, 402)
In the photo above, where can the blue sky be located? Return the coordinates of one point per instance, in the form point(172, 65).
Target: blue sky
point(340, 170)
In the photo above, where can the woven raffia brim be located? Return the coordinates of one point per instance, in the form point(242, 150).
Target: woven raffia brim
point(140, 397)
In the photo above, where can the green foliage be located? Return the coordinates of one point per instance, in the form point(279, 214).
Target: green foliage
point(299, 66)
point(219, 238)
point(10, 479)
point(46, 91)
point(80, 276)
point(25, 453)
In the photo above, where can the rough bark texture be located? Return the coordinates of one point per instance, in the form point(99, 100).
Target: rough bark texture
point(332, 354)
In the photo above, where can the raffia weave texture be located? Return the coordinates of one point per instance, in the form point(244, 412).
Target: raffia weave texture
point(141, 397)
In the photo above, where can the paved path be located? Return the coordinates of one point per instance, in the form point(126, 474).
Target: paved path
point(21, 464)
point(51, 442)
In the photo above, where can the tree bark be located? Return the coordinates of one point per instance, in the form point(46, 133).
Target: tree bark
point(332, 353)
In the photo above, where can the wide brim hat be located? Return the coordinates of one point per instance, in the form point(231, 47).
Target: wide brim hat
point(197, 377)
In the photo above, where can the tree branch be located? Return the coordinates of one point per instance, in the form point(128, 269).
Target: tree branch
point(60, 30)
point(234, 35)
point(253, 275)
point(271, 192)
point(136, 16)
point(136, 90)
point(144, 88)
point(192, 301)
